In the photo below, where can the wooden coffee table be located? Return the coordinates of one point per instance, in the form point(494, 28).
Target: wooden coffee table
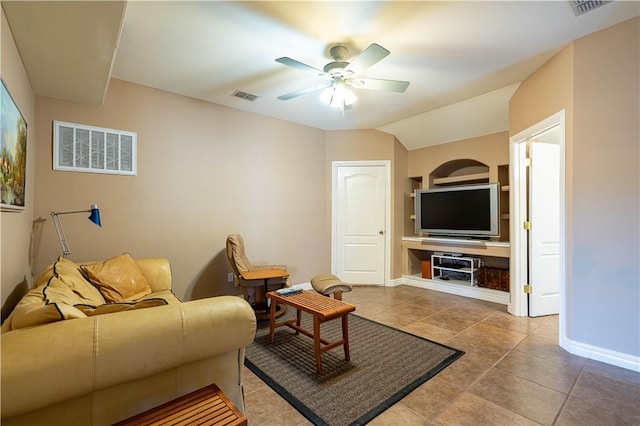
point(322, 308)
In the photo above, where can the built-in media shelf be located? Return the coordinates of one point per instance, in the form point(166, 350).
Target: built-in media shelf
point(503, 179)
point(491, 253)
point(455, 269)
point(459, 245)
point(463, 179)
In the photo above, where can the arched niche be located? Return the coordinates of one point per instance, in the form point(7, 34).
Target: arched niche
point(459, 172)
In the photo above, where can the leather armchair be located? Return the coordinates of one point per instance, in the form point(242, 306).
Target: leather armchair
point(240, 263)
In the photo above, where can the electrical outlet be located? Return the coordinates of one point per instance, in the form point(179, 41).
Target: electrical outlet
point(230, 277)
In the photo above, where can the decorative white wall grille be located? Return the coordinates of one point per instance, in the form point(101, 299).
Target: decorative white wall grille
point(81, 148)
point(583, 6)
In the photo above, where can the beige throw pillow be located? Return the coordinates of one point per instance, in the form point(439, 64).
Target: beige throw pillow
point(119, 279)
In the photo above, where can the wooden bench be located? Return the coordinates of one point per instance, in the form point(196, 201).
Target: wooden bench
point(322, 309)
point(207, 406)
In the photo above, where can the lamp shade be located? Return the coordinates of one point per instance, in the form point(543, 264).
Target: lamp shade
point(95, 215)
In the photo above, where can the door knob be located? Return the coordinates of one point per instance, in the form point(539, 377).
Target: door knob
point(381, 232)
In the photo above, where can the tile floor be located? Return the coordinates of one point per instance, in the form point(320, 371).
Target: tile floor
point(513, 372)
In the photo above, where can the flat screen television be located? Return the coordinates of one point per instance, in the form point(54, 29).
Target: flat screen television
point(458, 211)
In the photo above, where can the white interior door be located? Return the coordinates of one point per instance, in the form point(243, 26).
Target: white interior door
point(544, 237)
point(360, 205)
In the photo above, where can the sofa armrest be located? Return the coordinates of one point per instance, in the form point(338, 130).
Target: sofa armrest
point(48, 364)
point(157, 271)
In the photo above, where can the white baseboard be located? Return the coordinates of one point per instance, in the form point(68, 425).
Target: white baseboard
point(487, 294)
point(607, 356)
point(395, 282)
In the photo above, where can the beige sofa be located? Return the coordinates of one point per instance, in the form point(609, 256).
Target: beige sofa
point(68, 363)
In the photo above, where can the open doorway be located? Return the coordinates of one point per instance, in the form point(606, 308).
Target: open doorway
point(538, 194)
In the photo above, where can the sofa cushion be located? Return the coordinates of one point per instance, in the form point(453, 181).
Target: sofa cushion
point(119, 279)
point(42, 313)
point(49, 302)
point(120, 306)
point(71, 275)
point(57, 291)
point(163, 294)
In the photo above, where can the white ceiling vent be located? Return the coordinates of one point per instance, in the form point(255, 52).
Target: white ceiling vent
point(583, 6)
point(244, 95)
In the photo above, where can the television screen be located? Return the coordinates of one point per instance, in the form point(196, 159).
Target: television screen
point(470, 210)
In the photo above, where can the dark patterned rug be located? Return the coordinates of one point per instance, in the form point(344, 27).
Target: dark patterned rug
point(386, 364)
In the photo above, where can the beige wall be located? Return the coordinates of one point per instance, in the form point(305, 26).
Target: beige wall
point(595, 79)
point(401, 194)
point(355, 145)
point(204, 171)
point(548, 90)
point(605, 292)
point(492, 150)
point(16, 226)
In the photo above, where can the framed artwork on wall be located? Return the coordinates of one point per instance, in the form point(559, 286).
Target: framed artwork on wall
point(13, 153)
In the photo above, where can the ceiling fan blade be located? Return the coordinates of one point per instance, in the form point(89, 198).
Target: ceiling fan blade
point(304, 91)
point(376, 84)
point(369, 56)
point(299, 65)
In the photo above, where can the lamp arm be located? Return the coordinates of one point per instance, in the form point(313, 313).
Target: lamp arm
point(78, 211)
point(66, 250)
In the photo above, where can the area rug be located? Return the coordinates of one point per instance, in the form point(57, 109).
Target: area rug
point(386, 365)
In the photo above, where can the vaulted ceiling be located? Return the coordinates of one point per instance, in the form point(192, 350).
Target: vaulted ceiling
point(463, 60)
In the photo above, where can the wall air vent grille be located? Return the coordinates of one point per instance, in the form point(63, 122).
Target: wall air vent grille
point(81, 148)
point(583, 6)
point(244, 95)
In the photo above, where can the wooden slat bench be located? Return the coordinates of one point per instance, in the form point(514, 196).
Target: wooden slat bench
point(206, 406)
point(322, 309)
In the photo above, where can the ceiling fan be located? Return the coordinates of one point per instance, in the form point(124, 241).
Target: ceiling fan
point(342, 76)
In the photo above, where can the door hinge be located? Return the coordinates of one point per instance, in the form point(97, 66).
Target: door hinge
point(527, 162)
point(528, 289)
point(526, 225)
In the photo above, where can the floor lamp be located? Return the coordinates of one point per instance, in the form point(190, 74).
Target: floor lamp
point(93, 217)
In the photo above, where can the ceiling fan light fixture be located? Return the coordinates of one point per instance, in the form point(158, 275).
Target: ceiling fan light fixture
point(349, 98)
point(338, 96)
point(326, 95)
